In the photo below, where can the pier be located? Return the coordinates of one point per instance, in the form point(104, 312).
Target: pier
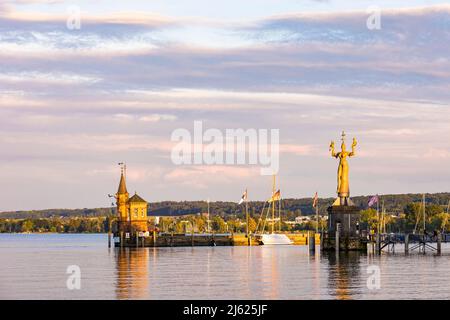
point(155, 239)
point(411, 242)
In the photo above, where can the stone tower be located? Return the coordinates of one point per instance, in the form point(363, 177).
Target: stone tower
point(122, 198)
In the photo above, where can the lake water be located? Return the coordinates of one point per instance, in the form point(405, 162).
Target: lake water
point(34, 266)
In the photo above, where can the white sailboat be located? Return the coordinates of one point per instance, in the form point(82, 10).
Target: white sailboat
point(271, 238)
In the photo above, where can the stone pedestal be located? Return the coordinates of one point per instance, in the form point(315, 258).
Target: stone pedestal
point(343, 221)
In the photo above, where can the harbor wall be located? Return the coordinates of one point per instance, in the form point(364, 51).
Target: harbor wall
point(199, 239)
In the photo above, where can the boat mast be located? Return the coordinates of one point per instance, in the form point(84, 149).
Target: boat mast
point(279, 215)
point(273, 203)
point(424, 213)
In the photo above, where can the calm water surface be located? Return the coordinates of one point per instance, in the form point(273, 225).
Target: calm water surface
point(34, 267)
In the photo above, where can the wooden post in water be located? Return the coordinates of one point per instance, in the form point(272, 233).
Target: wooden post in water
point(439, 241)
point(137, 239)
point(406, 243)
point(312, 242)
point(154, 238)
point(337, 240)
point(321, 240)
point(378, 243)
point(121, 239)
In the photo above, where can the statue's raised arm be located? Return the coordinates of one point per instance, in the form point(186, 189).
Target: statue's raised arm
point(351, 154)
point(333, 153)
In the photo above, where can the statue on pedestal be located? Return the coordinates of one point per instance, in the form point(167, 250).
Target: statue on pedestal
point(343, 188)
point(343, 216)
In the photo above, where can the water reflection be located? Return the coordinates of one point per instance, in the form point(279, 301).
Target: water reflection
point(132, 273)
point(344, 273)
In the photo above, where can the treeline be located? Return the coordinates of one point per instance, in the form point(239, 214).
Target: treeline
point(394, 204)
point(56, 213)
point(409, 219)
point(436, 218)
point(60, 225)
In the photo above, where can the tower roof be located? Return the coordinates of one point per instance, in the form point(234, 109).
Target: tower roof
point(122, 185)
point(136, 198)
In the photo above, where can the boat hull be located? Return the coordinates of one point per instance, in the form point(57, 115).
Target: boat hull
point(274, 239)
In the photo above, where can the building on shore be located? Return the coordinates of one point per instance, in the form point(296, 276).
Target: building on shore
point(131, 212)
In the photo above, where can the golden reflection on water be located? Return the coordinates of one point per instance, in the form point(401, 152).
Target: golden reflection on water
point(132, 273)
point(263, 265)
point(343, 272)
point(268, 270)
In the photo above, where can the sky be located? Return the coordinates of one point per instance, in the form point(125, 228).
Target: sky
point(75, 102)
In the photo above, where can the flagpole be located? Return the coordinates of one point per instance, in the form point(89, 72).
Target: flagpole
point(246, 212)
point(273, 204)
point(316, 206)
point(378, 215)
point(209, 230)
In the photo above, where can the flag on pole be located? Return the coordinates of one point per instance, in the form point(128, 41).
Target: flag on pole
point(373, 200)
point(244, 197)
point(276, 196)
point(315, 200)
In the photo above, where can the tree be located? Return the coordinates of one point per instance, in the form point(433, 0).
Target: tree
point(218, 224)
point(200, 224)
point(251, 225)
point(433, 210)
point(27, 226)
point(368, 218)
point(412, 212)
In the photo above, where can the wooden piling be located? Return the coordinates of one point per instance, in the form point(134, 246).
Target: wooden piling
point(321, 241)
point(378, 243)
point(439, 241)
point(312, 242)
point(372, 243)
point(337, 244)
point(137, 239)
point(121, 239)
point(406, 243)
point(154, 238)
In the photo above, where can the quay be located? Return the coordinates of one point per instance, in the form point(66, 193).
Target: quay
point(155, 239)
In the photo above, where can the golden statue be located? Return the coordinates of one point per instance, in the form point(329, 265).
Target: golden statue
point(343, 189)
